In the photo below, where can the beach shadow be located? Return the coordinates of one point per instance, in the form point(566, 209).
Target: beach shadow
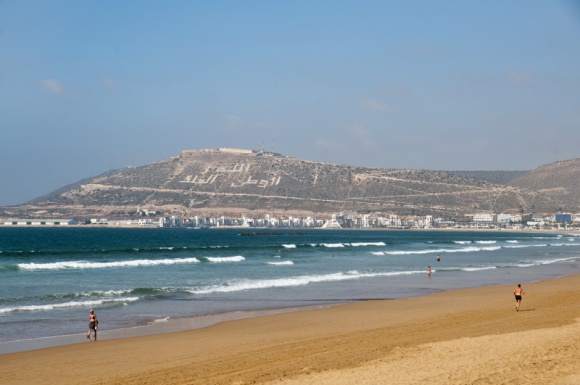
point(527, 310)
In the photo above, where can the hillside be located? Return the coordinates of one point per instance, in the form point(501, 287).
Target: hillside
point(558, 180)
point(497, 177)
point(234, 182)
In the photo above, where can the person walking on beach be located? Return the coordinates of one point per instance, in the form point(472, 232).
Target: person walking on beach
point(518, 292)
point(429, 271)
point(93, 324)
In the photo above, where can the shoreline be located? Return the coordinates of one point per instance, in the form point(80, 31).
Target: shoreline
point(156, 327)
point(296, 347)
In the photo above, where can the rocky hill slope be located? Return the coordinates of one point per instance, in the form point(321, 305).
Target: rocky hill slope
point(497, 177)
point(558, 180)
point(234, 182)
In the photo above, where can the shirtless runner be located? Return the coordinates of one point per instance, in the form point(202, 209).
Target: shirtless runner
point(518, 292)
point(93, 322)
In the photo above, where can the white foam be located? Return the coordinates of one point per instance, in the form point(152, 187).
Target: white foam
point(479, 268)
point(237, 258)
point(526, 264)
point(293, 281)
point(101, 265)
point(356, 244)
point(469, 249)
point(107, 293)
point(554, 260)
point(332, 244)
point(66, 305)
point(289, 246)
point(524, 246)
point(284, 263)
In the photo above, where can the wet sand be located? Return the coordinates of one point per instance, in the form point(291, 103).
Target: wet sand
point(471, 336)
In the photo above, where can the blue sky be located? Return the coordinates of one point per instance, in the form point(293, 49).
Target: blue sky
point(90, 86)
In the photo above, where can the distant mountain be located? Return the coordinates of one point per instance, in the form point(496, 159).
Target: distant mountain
point(558, 180)
point(233, 182)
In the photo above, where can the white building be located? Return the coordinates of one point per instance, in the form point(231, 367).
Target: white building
point(40, 222)
point(508, 218)
point(483, 218)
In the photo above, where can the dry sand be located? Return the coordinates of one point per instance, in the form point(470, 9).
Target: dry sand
point(471, 336)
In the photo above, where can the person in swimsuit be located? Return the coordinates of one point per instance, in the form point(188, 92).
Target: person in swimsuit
point(518, 292)
point(93, 323)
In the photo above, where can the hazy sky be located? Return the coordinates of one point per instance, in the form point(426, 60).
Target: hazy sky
point(90, 86)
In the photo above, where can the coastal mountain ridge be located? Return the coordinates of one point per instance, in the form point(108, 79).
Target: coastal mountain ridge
point(244, 182)
point(559, 180)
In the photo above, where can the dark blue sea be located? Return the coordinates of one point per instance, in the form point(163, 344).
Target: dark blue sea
point(144, 280)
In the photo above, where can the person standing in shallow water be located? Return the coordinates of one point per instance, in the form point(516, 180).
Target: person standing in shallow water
point(93, 323)
point(518, 292)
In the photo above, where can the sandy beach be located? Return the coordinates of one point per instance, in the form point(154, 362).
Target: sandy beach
point(471, 336)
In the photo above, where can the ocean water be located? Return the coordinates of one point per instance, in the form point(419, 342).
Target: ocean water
point(142, 278)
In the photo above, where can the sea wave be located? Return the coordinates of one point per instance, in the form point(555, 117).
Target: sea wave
point(97, 293)
point(478, 268)
point(523, 265)
point(469, 249)
point(100, 265)
point(237, 258)
point(520, 246)
point(109, 251)
point(332, 245)
point(242, 285)
point(552, 260)
point(357, 244)
point(524, 246)
point(284, 263)
point(65, 296)
point(71, 304)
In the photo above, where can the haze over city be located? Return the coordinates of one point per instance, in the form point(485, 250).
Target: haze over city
point(86, 87)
